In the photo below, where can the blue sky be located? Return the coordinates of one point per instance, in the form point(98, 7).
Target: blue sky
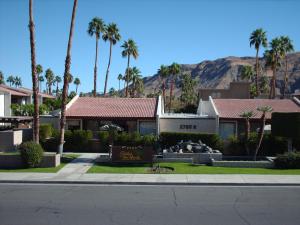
point(166, 31)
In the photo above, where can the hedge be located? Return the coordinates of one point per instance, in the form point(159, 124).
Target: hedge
point(31, 153)
point(286, 124)
point(168, 139)
point(289, 160)
point(45, 131)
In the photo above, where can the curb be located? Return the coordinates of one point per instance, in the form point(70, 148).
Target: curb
point(144, 183)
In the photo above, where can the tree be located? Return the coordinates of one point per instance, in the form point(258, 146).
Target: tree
point(188, 95)
point(163, 72)
point(65, 86)
point(39, 71)
point(287, 47)
point(2, 78)
point(264, 110)
point(112, 35)
point(130, 49)
point(57, 80)
point(50, 80)
point(258, 38)
point(35, 91)
point(247, 115)
point(113, 92)
point(96, 27)
point(137, 81)
point(77, 82)
point(120, 77)
point(174, 70)
point(18, 81)
point(11, 80)
point(247, 73)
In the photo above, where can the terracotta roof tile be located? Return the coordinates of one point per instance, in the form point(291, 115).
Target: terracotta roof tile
point(113, 107)
point(232, 108)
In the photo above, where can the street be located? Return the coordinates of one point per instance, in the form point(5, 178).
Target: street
point(39, 204)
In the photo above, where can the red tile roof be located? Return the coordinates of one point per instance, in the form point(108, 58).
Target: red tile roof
point(89, 107)
point(12, 91)
point(232, 108)
point(21, 91)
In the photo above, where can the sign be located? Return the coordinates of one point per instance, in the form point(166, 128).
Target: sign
point(128, 154)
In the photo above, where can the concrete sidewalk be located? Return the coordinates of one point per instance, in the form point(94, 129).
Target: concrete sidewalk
point(152, 179)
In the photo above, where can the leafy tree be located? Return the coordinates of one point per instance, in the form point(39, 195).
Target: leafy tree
point(66, 84)
point(258, 38)
point(96, 27)
point(18, 81)
point(11, 80)
point(120, 77)
point(2, 78)
point(130, 49)
point(57, 80)
point(188, 95)
point(112, 35)
point(50, 80)
point(247, 115)
point(77, 82)
point(174, 70)
point(264, 84)
point(163, 73)
point(287, 47)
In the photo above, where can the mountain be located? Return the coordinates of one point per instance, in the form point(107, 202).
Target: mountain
point(220, 72)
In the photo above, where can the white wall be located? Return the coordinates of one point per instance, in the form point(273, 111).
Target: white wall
point(1, 104)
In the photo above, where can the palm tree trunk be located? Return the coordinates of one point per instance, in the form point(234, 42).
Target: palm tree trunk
point(36, 119)
point(65, 87)
point(56, 88)
point(95, 68)
point(256, 77)
point(285, 77)
point(164, 91)
point(260, 134)
point(107, 71)
point(247, 133)
point(119, 86)
point(171, 94)
point(76, 88)
point(127, 75)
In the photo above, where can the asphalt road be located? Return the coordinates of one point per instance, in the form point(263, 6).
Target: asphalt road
point(129, 205)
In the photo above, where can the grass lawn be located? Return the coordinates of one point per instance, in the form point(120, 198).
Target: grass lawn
point(187, 168)
point(64, 161)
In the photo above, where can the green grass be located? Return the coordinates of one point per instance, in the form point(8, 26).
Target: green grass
point(187, 168)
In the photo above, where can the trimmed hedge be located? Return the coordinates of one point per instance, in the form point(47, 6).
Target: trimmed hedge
point(289, 160)
point(286, 124)
point(168, 139)
point(45, 131)
point(31, 153)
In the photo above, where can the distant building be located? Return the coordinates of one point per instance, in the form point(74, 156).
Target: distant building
point(240, 90)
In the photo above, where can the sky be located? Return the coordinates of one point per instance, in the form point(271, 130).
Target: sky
point(166, 31)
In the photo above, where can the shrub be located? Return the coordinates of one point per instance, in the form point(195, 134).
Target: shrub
point(45, 131)
point(31, 153)
point(168, 139)
point(289, 160)
point(235, 146)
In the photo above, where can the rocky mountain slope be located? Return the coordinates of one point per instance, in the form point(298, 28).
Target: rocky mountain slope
point(220, 72)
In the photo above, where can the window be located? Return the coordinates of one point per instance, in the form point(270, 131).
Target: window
point(227, 129)
point(147, 127)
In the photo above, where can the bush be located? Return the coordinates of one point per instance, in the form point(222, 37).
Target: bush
point(289, 160)
point(45, 131)
point(31, 153)
point(168, 139)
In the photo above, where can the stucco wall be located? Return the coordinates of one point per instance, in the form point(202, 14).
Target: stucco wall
point(1, 104)
point(10, 139)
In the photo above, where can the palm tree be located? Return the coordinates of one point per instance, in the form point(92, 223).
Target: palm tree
point(120, 77)
point(174, 69)
point(41, 80)
point(258, 38)
point(34, 75)
point(247, 115)
point(136, 78)
point(130, 49)
point(11, 80)
point(2, 78)
point(112, 35)
point(273, 57)
point(264, 110)
point(96, 27)
point(17, 81)
point(77, 82)
point(247, 73)
point(50, 80)
point(163, 72)
point(39, 71)
point(287, 47)
point(57, 80)
point(65, 87)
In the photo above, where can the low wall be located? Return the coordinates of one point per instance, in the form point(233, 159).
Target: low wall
point(199, 158)
point(244, 164)
point(10, 139)
point(8, 161)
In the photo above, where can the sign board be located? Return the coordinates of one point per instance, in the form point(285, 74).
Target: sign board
point(128, 154)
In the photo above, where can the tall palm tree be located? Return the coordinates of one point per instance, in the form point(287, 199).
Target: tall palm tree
point(247, 73)
point(18, 81)
point(264, 110)
point(287, 47)
point(130, 49)
point(35, 86)
point(112, 35)
point(2, 78)
point(77, 82)
point(96, 27)
point(163, 72)
point(120, 77)
point(247, 115)
point(39, 71)
point(57, 80)
point(258, 38)
point(41, 80)
point(65, 87)
point(136, 77)
point(174, 70)
point(11, 80)
point(50, 80)
point(273, 57)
